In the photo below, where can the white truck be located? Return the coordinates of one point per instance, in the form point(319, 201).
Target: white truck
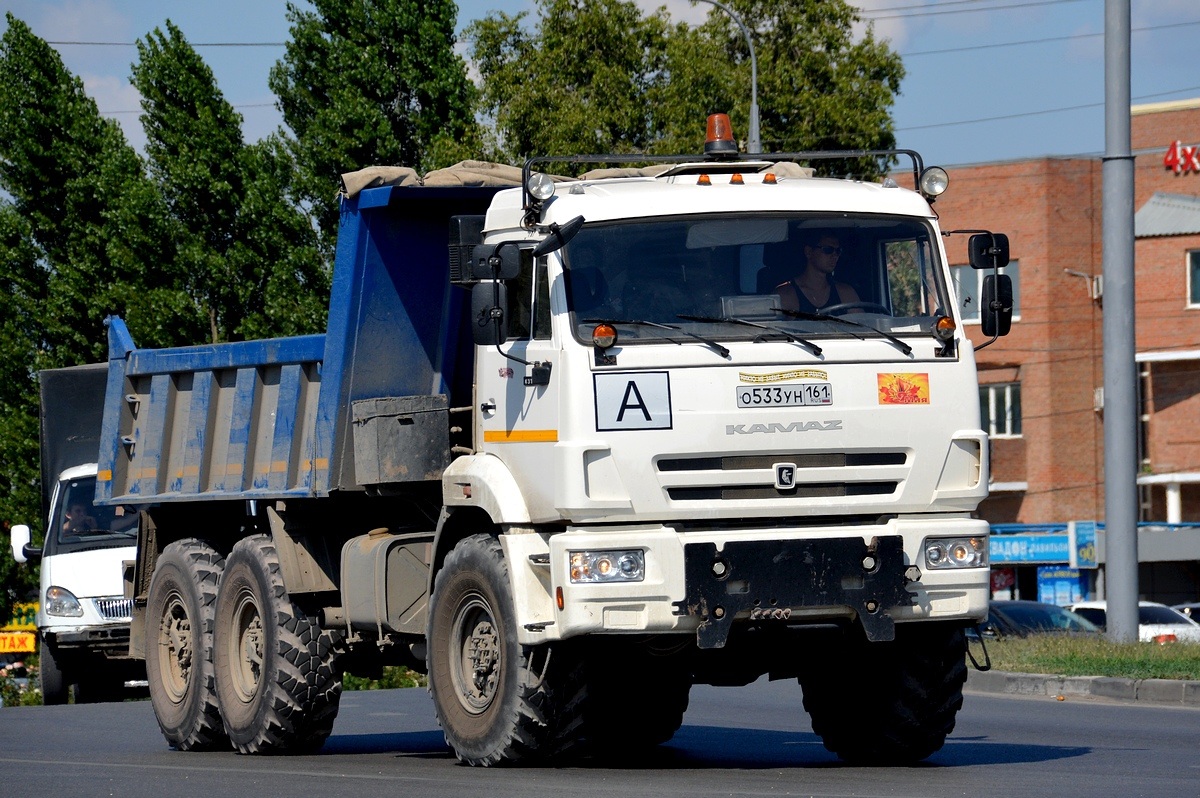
point(83, 613)
point(617, 466)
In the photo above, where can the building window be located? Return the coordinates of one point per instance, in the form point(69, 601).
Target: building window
point(1000, 409)
point(1193, 272)
point(968, 286)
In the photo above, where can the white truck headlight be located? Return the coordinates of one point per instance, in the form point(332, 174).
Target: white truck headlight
point(960, 552)
point(60, 601)
point(628, 565)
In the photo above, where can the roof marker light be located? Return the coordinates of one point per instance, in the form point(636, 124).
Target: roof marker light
point(718, 139)
point(769, 179)
point(704, 180)
point(736, 179)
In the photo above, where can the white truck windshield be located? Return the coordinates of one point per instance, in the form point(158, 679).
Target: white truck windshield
point(781, 271)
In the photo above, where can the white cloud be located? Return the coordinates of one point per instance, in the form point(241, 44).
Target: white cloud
point(119, 100)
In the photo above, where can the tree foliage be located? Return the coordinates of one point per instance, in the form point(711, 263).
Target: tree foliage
point(249, 255)
point(598, 76)
point(368, 82)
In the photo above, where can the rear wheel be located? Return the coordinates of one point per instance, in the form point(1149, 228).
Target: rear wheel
point(495, 699)
point(887, 703)
point(179, 643)
point(55, 688)
point(278, 685)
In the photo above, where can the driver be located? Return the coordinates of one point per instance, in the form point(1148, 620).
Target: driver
point(78, 519)
point(815, 288)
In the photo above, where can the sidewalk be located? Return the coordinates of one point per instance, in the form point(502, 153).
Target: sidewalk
point(1160, 692)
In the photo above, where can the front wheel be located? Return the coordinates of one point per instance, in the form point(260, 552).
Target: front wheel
point(495, 699)
point(887, 703)
point(179, 638)
point(55, 688)
point(278, 685)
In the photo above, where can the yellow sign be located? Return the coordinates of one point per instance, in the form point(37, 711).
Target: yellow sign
point(24, 618)
point(783, 376)
point(18, 642)
point(903, 389)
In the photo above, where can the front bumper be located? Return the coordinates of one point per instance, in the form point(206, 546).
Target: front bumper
point(768, 575)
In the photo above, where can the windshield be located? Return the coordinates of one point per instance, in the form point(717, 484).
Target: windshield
point(79, 525)
point(787, 273)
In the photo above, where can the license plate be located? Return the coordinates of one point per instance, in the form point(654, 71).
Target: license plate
point(794, 395)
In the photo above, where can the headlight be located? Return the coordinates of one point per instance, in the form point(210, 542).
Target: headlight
point(608, 566)
point(941, 553)
point(60, 601)
point(934, 181)
point(540, 186)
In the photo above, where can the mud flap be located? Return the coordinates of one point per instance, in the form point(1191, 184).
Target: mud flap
point(771, 578)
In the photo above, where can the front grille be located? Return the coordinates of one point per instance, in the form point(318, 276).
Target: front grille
point(801, 460)
point(818, 490)
point(114, 608)
point(751, 477)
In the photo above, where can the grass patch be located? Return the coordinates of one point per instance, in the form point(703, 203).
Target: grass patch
point(393, 676)
point(1085, 656)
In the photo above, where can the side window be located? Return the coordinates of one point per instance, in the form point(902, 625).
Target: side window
point(520, 298)
point(968, 287)
point(910, 285)
point(541, 303)
point(1000, 409)
point(1193, 275)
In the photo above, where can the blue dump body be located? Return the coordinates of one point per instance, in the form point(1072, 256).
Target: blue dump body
point(280, 418)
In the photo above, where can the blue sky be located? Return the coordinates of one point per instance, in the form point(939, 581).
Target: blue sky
point(987, 80)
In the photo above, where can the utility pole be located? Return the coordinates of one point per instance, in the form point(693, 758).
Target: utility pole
point(754, 140)
point(1120, 370)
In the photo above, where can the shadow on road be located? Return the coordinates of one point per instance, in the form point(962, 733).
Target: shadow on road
point(713, 747)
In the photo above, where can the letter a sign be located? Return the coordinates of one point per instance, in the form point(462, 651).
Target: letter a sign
point(640, 400)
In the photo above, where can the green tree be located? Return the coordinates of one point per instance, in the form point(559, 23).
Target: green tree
point(250, 256)
point(368, 82)
point(819, 89)
point(576, 84)
point(23, 285)
point(96, 222)
point(597, 75)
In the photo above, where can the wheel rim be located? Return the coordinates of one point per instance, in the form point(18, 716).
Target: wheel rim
point(175, 648)
point(246, 647)
point(475, 662)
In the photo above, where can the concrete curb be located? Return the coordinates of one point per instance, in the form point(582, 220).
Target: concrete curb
point(1160, 692)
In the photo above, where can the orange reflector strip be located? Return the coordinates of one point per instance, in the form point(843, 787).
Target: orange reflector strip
point(520, 436)
point(558, 597)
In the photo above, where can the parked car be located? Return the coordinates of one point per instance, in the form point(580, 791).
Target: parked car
point(1019, 618)
point(1191, 610)
point(1157, 623)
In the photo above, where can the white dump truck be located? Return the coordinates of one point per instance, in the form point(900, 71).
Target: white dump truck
point(571, 447)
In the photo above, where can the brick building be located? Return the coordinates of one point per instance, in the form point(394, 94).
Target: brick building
point(1041, 386)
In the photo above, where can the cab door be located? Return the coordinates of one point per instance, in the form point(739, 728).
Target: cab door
point(518, 418)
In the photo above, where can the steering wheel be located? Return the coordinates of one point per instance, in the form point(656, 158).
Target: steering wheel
point(846, 307)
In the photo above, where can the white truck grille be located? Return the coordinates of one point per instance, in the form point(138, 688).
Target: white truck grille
point(114, 608)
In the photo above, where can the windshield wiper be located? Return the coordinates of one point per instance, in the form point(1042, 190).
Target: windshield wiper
point(800, 314)
point(722, 351)
point(792, 339)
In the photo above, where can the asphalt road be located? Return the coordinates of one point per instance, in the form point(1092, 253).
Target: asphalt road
point(748, 741)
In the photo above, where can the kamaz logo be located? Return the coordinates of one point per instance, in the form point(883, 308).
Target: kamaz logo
point(770, 429)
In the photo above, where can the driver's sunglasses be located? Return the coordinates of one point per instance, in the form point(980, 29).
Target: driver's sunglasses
point(828, 250)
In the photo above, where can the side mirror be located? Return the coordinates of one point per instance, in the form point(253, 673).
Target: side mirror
point(996, 307)
point(559, 237)
point(21, 548)
point(489, 322)
point(496, 261)
point(988, 250)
